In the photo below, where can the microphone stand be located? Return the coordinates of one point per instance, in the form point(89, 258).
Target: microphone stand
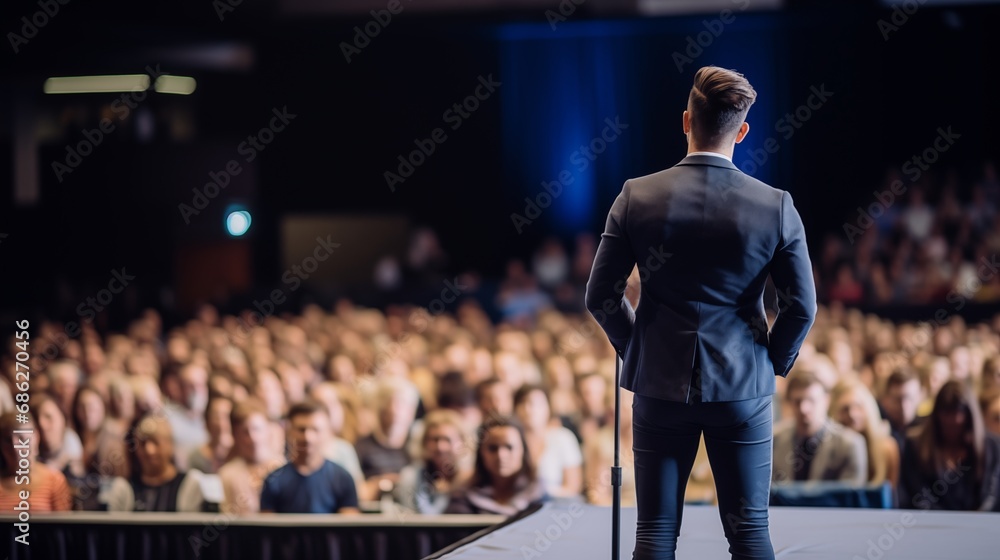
point(616, 470)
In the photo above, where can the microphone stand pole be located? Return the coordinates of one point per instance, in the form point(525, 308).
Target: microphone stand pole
point(616, 470)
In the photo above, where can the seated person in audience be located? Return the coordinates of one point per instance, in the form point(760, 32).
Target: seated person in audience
point(156, 483)
point(504, 481)
point(59, 446)
point(933, 375)
point(309, 483)
point(495, 398)
point(853, 406)
point(990, 405)
point(592, 390)
point(952, 462)
point(47, 487)
point(187, 417)
point(599, 456)
point(338, 450)
point(812, 446)
point(383, 453)
point(425, 486)
point(559, 460)
point(215, 452)
point(900, 399)
point(243, 476)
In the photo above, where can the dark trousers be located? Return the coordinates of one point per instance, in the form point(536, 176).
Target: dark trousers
point(665, 438)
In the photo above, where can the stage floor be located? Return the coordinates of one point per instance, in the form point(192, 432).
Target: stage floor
point(583, 532)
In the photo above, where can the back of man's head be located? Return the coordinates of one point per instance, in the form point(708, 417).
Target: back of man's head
point(718, 104)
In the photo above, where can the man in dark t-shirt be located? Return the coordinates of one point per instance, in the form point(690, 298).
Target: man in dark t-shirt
point(309, 483)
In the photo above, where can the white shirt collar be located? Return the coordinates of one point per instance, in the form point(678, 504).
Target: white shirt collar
point(716, 154)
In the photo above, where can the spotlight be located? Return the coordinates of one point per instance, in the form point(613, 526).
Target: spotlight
point(238, 222)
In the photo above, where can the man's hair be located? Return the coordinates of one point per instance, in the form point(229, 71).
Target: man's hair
point(801, 380)
point(243, 410)
point(307, 407)
point(718, 105)
point(901, 376)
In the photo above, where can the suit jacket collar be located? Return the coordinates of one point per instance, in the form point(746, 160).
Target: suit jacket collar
point(709, 160)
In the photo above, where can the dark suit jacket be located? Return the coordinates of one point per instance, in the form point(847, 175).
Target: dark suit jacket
point(705, 237)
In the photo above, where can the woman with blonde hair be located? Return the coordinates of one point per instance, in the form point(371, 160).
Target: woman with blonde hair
point(443, 465)
point(852, 404)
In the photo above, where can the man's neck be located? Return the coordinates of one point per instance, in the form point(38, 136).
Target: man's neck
point(310, 464)
point(721, 151)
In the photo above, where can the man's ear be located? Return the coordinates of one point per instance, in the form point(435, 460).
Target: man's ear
point(686, 122)
point(742, 132)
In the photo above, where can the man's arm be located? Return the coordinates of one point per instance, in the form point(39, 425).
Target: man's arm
point(612, 265)
point(268, 496)
point(791, 272)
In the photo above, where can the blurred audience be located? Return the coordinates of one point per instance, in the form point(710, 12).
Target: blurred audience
point(952, 463)
point(813, 446)
point(505, 480)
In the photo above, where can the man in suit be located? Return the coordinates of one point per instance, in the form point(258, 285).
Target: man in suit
point(813, 446)
point(697, 351)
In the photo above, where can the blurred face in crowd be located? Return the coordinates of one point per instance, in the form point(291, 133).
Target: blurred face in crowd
point(953, 423)
point(940, 373)
point(443, 446)
point(502, 452)
point(154, 443)
point(398, 412)
point(849, 411)
point(326, 394)
point(592, 394)
point(253, 439)
point(901, 402)
point(534, 411)
point(52, 424)
point(269, 390)
point(809, 405)
point(90, 410)
point(64, 382)
point(194, 388)
point(217, 421)
point(991, 416)
point(308, 435)
point(496, 400)
point(961, 363)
